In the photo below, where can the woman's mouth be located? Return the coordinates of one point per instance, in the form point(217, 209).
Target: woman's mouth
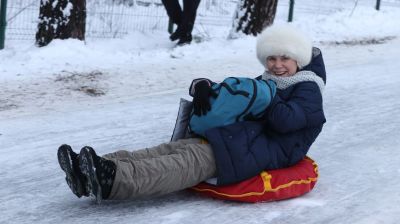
point(280, 73)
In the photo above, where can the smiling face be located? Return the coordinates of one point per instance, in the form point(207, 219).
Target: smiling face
point(281, 66)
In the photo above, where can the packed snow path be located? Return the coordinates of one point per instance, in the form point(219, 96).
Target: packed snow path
point(357, 151)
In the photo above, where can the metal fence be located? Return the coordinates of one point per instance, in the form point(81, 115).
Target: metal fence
point(115, 18)
point(331, 6)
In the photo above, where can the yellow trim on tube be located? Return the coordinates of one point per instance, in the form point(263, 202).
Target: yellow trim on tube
point(266, 177)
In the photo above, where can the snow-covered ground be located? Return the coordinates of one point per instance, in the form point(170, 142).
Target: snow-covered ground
point(123, 94)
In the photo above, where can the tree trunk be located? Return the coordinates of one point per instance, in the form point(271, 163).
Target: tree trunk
point(61, 19)
point(252, 16)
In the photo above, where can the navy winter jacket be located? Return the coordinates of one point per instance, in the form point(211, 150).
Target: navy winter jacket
point(291, 124)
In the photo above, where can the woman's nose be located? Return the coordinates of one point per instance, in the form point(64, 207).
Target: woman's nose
point(278, 63)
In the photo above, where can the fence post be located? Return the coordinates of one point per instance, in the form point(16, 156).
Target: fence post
point(3, 22)
point(291, 6)
point(378, 4)
point(170, 26)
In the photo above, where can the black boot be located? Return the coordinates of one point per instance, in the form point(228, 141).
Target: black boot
point(175, 35)
point(184, 39)
point(69, 163)
point(100, 173)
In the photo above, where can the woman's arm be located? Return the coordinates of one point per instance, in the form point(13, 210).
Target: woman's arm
point(303, 109)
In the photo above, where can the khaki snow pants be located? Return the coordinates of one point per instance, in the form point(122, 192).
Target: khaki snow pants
point(161, 169)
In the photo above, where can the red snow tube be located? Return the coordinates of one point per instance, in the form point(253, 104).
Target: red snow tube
point(268, 186)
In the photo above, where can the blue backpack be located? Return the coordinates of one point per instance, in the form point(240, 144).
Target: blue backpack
point(238, 99)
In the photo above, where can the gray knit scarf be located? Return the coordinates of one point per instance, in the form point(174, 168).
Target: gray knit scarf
point(302, 76)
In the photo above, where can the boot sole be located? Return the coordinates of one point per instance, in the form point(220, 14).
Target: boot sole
point(65, 162)
point(88, 169)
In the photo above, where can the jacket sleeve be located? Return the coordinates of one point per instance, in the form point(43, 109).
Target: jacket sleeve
point(303, 109)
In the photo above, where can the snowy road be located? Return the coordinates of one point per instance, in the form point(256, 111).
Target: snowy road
point(356, 152)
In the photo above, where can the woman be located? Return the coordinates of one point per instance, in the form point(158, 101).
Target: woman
point(232, 153)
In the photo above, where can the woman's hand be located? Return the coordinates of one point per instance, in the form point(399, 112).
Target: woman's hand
point(201, 97)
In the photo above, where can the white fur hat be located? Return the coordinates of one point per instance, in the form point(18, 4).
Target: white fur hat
point(284, 40)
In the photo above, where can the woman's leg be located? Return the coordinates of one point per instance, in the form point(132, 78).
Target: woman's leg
point(174, 10)
point(171, 167)
point(189, 14)
point(153, 152)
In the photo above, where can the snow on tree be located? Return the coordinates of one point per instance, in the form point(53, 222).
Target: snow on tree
point(61, 19)
point(252, 16)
